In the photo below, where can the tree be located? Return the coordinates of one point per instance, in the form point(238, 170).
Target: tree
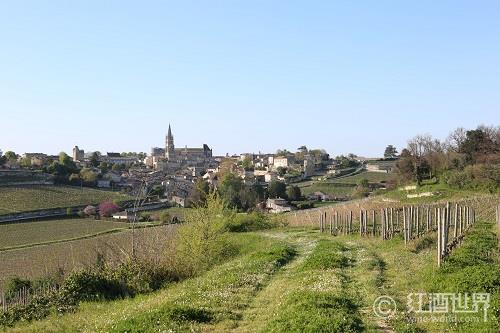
point(94, 159)
point(390, 152)
point(25, 162)
point(247, 164)
point(88, 176)
point(456, 139)
point(282, 152)
point(347, 162)
point(10, 156)
point(281, 171)
point(64, 159)
point(104, 166)
point(477, 144)
point(201, 241)
point(230, 188)
point(74, 178)
point(277, 189)
point(201, 190)
point(158, 190)
point(294, 193)
point(108, 208)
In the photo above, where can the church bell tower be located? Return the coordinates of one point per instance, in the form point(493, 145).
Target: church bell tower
point(169, 145)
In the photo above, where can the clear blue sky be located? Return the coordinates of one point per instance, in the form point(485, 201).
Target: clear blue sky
point(244, 76)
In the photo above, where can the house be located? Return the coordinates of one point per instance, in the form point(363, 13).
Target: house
point(270, 176)
point(113, 176)
point(124, 216)
point(180, 201)
point(117, 158)
point(385, 167)
point(278, 205)
point(319, 196)
point(282, 161)
point(103, 183)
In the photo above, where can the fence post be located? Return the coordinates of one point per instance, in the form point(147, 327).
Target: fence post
point(405, 235)
point(439, 240)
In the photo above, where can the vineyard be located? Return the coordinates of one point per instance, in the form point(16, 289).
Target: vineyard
point(18, 199)
point(63, 257)
point(46, 231)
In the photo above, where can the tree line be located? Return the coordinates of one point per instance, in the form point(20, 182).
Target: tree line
point(467, 159)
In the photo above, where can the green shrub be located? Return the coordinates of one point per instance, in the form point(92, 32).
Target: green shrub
point(305, 205)
point(91, 285)
point(142, 276)
point(16, 284)
point(202, 240)
point(249, 222)
point(145, 217)
point(165, 217)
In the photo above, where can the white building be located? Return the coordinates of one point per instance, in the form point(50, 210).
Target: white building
point(278, 205)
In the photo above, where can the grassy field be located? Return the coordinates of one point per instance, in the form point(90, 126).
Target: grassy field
point(325, 284)
point(440, 191)
point(29, 233)
point(341, 187)
point(373, 177)
point(17, 199)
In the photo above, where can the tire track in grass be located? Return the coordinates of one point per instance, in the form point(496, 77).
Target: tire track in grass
point(311, 294)
point(273, 294)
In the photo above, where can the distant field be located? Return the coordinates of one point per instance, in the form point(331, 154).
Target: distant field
point(46, 260)
point(343, 186)
point(328, 188)
point(18, 199)
point(17, 234)
point(373, 177)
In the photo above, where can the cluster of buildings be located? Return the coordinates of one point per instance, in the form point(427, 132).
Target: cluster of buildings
point(177, 169)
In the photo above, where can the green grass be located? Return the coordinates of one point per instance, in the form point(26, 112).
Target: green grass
point(373, 177)
point(441, 192)
point(214, 300)
point(28, 233)
point(474, 267)
point(342, 187)
point(18, 199)
point(298, 280)
point(340, 190)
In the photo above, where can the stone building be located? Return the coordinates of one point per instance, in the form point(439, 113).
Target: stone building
point(78, 154)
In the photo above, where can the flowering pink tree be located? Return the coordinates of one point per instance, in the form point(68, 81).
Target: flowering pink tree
point(89, 210)
point(108, 208)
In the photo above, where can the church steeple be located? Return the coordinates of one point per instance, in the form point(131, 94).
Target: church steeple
point(169, 145)
point(169, 132)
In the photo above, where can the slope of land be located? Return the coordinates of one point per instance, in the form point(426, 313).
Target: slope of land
point(18, 199)
point(30, 233)
point(325, 284)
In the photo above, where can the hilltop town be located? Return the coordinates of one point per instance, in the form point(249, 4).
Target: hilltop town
point(177, 175)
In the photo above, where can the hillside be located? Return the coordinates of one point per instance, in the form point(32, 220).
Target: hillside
point(18, 199)
point(298, 280)
point(342, 186)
